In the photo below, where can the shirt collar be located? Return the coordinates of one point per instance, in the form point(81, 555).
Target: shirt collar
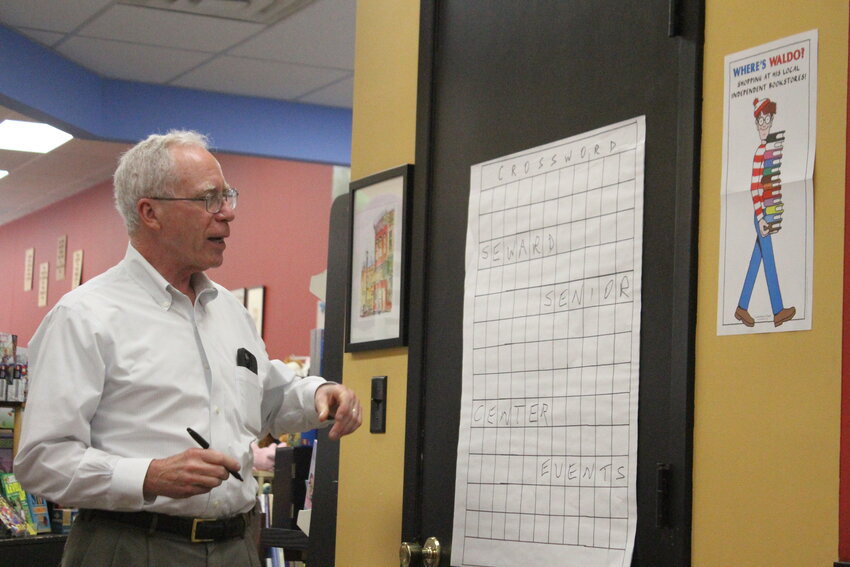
point(158, 287)
point(204, 288)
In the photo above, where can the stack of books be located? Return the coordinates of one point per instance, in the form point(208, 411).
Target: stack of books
point(771, 181)
point(21, 513)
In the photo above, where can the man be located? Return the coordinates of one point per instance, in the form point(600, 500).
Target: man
point(763, 110)
point(124, 364)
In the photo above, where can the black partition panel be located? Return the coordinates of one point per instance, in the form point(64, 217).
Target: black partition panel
point(501, 76)
point(322, 546)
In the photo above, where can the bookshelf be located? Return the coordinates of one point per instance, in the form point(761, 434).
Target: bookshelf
point(16, 429)
point(291, 469)
point(45, 549)
point(38, 545)
point(25, 551)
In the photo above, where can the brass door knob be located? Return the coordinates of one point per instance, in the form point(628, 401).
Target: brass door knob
point(431, 552)
point(413, 554)
point(409, 554)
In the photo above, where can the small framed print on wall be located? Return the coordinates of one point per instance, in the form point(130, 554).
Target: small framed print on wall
point(378, 261)
point(254, 300)
point(239, 294)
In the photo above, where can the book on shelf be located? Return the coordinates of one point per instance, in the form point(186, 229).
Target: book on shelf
point(7, 418)
point(7, 441)
point(40, 513)
point(6, 371)
point(8, 346)
point(17, 390)
point(62, 518)
point(13, 369)
point(17, 498)
point(10, 521)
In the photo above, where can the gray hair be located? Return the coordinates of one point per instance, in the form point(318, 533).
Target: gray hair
point(147, 170)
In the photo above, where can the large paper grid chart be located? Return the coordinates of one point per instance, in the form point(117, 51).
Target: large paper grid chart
point(547, 447)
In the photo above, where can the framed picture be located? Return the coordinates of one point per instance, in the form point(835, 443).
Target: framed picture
point(239, 294)
point(378, 262)
point(254, 300)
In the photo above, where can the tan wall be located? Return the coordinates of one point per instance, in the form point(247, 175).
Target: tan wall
point(372, 465)
point(766, 440)
point(386, 65)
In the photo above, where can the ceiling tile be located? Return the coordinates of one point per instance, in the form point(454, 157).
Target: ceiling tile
point(51, 15)
point(13, 197)
point(37, 180)
point(39, 189)
point(47, 38)
point(42, 199)
point(136, 24)
point(76, 161)
point(25, 186)
point(295, 39)
point(79, 147)
point(338, 94)
point(12, 160)
point(253, 77)
point(131, 61)
point(9, 113)
point(307, 57)
point(15, 205)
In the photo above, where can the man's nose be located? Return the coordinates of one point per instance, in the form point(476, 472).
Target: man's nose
point(227, 212)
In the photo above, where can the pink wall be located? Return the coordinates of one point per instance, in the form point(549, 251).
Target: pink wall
point(279, 239)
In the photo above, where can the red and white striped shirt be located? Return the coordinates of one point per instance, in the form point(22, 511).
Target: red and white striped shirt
point(756, 185)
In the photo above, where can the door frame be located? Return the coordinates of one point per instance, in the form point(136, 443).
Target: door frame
point(411, 528)
point(686, 26)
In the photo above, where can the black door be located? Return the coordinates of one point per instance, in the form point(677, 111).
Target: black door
point(500, 76)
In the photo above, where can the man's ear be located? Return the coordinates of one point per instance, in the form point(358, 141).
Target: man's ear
point(148, 214)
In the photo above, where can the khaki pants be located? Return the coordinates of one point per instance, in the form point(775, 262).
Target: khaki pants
point(98, 542)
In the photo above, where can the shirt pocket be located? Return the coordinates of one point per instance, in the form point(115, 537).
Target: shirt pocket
point(250, 398)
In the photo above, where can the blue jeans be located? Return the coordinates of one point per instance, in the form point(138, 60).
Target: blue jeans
point(762, 252)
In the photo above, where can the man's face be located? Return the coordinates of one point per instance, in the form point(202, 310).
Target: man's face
point(194, 237)
point(763, 123)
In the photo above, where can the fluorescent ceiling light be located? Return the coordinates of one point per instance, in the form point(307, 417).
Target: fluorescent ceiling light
point(3, 173)
point(30, 136)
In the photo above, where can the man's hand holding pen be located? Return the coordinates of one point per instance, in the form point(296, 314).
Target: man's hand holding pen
point(204, 444)
point(194, 471)
point(199, 470)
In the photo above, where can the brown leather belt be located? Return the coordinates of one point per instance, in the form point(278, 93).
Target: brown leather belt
point(196, 530)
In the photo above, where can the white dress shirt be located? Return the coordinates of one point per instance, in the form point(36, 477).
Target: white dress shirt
point(122, 365)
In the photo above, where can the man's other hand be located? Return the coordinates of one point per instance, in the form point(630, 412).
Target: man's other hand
point(337, 402)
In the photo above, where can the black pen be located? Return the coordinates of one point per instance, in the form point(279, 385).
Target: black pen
point(204, 445)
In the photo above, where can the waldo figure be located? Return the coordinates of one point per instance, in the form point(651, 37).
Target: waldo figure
point(764, 111)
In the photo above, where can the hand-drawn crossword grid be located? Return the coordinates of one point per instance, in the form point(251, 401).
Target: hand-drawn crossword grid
point(548, 437)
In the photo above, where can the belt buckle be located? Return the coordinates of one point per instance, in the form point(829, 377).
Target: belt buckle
point(195, 523)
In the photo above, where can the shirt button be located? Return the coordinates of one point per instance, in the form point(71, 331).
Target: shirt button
point(217, 410)
point(164, 304)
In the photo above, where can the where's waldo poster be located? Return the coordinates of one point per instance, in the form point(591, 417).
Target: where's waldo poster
point(767, 223)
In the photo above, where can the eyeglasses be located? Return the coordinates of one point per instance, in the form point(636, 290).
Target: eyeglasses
point(213, 201)
point(764, 119)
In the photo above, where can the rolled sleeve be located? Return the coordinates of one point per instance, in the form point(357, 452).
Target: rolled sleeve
point(289, 402)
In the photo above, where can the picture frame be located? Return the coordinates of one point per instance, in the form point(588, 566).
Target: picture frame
point(254, 303)
point(378, 260)
point(239, 293)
